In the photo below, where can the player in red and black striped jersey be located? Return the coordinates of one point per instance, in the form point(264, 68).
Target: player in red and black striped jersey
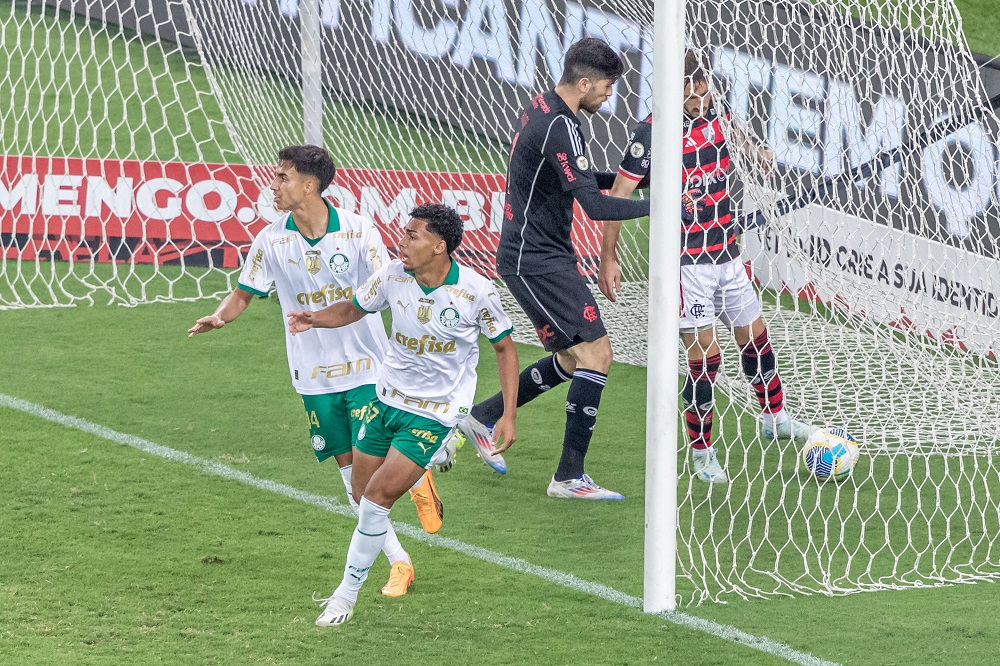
point(549, 170)
point(714, 282)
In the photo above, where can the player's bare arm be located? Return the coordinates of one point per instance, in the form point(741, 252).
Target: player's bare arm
point(335, 316)
point(231, 307)
point(751, 149)
point(609, 274)
point(508, 368)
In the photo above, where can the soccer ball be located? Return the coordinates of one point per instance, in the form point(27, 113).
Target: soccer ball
point(830, 453)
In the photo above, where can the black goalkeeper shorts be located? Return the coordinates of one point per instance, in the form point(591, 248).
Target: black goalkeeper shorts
point(561, 307)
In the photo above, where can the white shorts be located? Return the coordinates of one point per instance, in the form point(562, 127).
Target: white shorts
point(717, 291)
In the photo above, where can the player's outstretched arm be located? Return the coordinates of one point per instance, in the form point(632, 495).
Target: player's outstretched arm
point(505, 430)
point(563, 153)
point(753, 150)
point(335, 316)
point(602, 207)
point(231, 307)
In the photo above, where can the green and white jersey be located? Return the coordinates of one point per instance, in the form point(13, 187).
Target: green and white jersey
point(310, 275)
point(430, 369)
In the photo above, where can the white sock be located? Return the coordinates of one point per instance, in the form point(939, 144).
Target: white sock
point(777, 418)
point(392, 548)
point(345, 474)
point(417, 483)
point(366, 544)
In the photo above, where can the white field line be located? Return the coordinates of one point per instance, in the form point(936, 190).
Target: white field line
point(725, 632)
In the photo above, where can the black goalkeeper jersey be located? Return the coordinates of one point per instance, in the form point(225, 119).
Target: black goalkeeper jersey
point(548, 168)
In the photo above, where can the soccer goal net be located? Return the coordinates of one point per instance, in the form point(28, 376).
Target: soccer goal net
point(139, 138)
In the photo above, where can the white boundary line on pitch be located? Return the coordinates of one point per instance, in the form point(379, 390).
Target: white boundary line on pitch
point(725, 632)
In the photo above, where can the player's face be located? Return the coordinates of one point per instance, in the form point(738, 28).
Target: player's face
point(597, 92)
point(697, 99)
point(419, 247)
point(290, 187)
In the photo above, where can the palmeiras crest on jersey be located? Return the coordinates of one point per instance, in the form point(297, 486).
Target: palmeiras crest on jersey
point(424, 312)
point(313, 261)
point(449, 317)
point(339, 263)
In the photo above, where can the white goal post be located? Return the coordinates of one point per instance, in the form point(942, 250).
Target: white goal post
point(660, 552)
point(140, 136)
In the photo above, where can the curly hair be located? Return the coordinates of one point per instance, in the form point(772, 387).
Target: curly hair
point(442, 221)
point(310, 160)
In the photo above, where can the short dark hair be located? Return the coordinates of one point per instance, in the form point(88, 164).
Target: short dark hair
point(696, 68)
point(312, 161)
point(442, 221)
point(591, 58)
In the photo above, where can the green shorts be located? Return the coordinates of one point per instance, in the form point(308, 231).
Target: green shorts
point(416, 437)
point(333, 419)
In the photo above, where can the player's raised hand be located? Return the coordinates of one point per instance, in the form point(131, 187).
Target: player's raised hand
point(504, 434)
point(206, 324)
point(609, 279)
point(299, 321)
point(765, 157)
point(690, 200)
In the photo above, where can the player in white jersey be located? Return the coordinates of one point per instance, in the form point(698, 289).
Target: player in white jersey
point(428, 379)
point(314, 256)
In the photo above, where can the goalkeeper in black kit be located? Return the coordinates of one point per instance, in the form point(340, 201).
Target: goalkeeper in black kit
point(549, 170)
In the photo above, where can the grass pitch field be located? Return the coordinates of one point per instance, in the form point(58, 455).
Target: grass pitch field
point(114, 555)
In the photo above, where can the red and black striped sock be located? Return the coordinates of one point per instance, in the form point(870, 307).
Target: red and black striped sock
point(761, 368)
point(699, 400)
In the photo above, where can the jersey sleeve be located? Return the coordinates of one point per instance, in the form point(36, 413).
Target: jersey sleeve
point(564, 151)
point(376, 254)
point(257, 275)
point(371, 296)
point(493, 321)
point(635, 163)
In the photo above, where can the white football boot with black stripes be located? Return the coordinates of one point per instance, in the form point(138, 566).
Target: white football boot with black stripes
point(336, 611)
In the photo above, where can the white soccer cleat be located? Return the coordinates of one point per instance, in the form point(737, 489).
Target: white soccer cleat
point(706, 466)
point(581, 488)
point(482, 439)
point(444, 459)
point(790, 429)
point(336, 611)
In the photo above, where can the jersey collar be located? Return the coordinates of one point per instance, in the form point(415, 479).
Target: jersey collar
point(332, 225)
point(556, 102)
point(450, 279)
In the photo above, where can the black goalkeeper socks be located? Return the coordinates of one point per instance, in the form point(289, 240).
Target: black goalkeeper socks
point(582, 401)
point(533, 381)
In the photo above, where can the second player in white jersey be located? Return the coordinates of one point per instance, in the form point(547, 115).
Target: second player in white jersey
point(430, 368)
point(312, 274)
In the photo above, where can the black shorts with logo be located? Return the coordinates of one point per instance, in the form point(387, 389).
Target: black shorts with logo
point(561, 307)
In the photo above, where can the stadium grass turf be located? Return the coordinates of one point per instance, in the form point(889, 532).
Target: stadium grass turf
point(108, 545)
point(116, 557)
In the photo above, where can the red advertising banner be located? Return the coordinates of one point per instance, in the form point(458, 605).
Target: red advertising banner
point(131, 211)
